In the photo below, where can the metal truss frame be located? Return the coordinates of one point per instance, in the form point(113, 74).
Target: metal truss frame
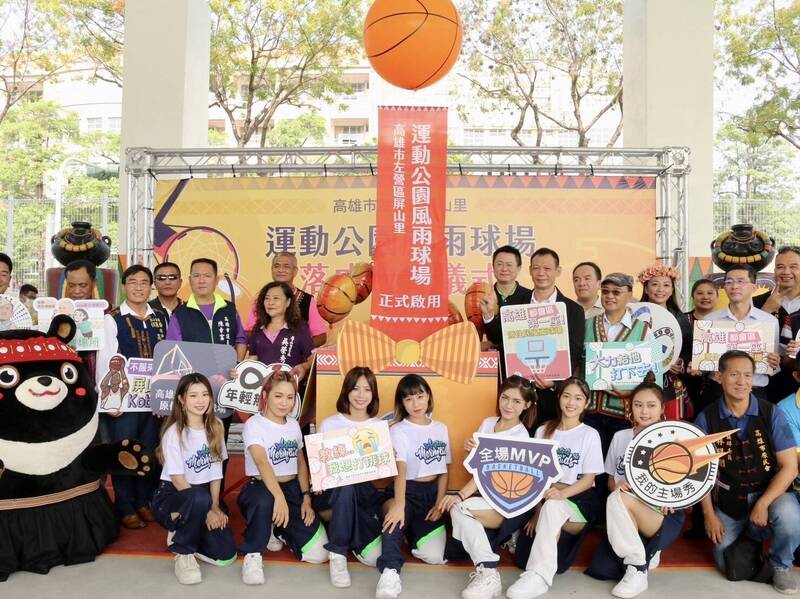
point(670, 165)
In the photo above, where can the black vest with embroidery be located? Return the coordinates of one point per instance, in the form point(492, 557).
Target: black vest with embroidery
point(750, 463)
point(136, 336)
point(303, 300)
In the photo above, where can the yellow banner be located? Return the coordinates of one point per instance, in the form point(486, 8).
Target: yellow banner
point(329, 222)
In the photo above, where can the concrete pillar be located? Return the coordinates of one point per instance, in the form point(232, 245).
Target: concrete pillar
point(165, 84)
point(668, 66)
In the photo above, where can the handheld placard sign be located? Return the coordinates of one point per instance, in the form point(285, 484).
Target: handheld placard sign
point(513, 474)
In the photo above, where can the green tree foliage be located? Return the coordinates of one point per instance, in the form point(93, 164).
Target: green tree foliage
point(294, 133)
point(33, 141)
point(515, 49)
point(96, 29)
point(753, 165)
point(270, 53)
point(30, 50)
point(761, 49)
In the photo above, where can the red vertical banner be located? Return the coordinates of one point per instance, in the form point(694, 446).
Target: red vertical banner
point(409, 291)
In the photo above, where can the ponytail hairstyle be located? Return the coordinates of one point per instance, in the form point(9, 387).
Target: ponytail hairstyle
point(215, 433)
point(528, 393)
point(551, 425)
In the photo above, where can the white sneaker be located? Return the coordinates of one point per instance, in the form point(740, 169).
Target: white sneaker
point(389, 586)
point(528, 586)
point(633, 583)
point(253, 569)
point(337, 564)
point(274, 544)
point(655, 561)
point(484, 583)
point(187, 570)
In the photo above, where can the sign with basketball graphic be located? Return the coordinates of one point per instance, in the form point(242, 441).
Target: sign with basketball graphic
point(350, 455)
point(536, 340)
point(665, 328)
point(513, 474)
point(673, 464)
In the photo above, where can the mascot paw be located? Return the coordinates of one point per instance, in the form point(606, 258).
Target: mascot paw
point(133, 456)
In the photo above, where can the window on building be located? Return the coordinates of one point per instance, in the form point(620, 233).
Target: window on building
point(94, 123)
point(115, 124)
point(350, 135)
point(473, 137)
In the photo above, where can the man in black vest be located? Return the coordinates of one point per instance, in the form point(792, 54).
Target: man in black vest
point(751, 492)
point(131, 330)
point(207, 317)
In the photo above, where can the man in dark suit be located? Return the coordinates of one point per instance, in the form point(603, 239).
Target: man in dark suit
point(545, 267)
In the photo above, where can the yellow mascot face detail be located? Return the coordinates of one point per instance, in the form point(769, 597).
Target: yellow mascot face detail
point(365, 442)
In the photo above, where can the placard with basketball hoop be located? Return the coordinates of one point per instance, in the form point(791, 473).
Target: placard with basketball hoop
point(673, 464)
point(536, 340)
point(513, 474)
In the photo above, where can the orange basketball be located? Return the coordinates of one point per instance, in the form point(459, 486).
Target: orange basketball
point(512, 485)
point(472, 303)
point(412, 43)
point(361, 274)
point(454, 316)
point(336, 298)
point(670, 463)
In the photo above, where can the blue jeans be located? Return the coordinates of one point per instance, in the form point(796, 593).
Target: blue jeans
point(783, 516)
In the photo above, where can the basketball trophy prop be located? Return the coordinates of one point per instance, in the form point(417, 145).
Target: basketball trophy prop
point(81, 241)
point(336, 297)
point(513, 474)
point(673, 464)
point(472, 304)
point(412, 43)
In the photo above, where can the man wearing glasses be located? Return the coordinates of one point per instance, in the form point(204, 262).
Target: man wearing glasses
point(740, 284)
point(132, 330)
point(168, 282)
point(606, 411)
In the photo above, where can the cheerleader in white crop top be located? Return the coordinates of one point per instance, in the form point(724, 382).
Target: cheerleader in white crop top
point(186, 501)
point(571, 505)
point(278, 492)
point(422, 451)
point(471, 516)
point(624, 556)
point(353, 512)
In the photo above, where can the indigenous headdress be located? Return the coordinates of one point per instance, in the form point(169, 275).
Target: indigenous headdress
point(658, 270)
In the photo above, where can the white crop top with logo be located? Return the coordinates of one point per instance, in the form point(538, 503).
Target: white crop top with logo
point(519, 431)
point(282, 442)
point(340, 421)
point(192, 459)
point(424, 448)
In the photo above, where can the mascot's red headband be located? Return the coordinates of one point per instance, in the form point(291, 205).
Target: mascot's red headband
point(36, 349)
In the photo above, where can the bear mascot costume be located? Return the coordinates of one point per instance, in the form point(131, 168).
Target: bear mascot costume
point(53, 508)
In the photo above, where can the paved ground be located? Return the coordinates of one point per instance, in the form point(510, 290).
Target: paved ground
point(153, 578)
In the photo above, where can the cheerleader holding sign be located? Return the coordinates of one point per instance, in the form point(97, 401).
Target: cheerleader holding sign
point(472, 516)
point(624, 555)
point(570, 506)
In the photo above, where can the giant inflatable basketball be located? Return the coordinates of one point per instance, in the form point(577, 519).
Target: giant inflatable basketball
point(412, 43)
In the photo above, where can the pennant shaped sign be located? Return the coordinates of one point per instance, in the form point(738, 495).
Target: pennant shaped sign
point(513, 474)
